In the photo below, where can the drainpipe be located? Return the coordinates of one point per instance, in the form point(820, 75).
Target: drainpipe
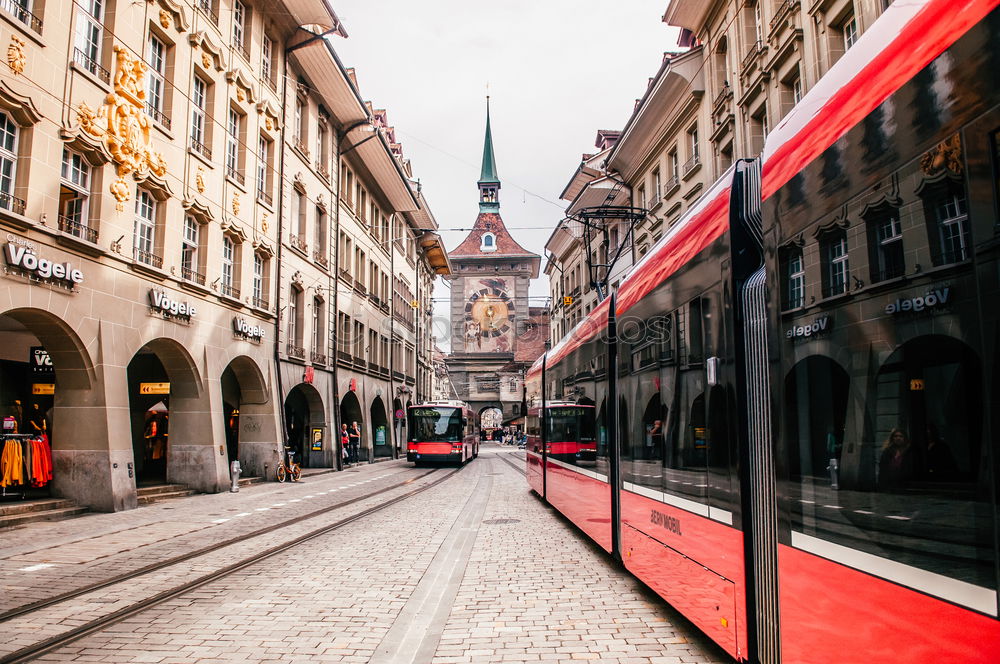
point(281, 235)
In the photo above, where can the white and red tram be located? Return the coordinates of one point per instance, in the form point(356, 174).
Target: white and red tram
point(802, 455)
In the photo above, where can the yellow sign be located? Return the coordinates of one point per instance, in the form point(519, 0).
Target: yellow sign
point(43, 388)
point(916, 385)
point(154, 388)
point(567, 300)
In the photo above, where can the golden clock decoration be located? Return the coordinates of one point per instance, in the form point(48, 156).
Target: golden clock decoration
point(490, 309)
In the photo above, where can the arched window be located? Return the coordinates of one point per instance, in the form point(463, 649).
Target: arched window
point(488, 242)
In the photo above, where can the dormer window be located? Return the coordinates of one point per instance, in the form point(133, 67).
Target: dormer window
point(488, 242)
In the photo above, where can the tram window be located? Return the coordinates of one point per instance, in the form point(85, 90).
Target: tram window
point(664, 333)
point(696, 348)
point(905, 479)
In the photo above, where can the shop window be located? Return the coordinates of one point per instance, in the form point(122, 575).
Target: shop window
point(74, 197)
point(834, 258)
point(793, 277)
point(885, 244)
point(8, 165)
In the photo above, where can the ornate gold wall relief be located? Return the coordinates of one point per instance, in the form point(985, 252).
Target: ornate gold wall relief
point(236, 204)
point(944, 155)
point(122, 126)
point(199, 180)
point(165, 19)
point(16, 59)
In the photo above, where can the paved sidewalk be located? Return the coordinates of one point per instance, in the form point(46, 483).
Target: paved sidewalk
point(525, 586)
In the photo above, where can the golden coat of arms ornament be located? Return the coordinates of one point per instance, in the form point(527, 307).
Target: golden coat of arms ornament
point(165, 19)
point(16, 59)
point(236, 204)
point(122, 126)
point(199, 180)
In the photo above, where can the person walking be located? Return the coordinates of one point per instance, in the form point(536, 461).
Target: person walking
point(345, 443)
point(354, 437)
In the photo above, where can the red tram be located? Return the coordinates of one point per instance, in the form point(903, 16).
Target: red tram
point(571, 433)
point(797, 444)
point(441, 431)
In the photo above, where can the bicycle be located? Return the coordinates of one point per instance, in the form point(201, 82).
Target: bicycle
point(289, 468)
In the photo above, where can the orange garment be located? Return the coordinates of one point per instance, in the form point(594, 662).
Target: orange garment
point(11, 464)
point(41, 461)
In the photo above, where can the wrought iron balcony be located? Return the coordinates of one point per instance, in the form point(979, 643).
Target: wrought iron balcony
point(691, 164)
point(148, 258)
point(295, 351)
point(320, 258)
point(12, 203)
point(87, 63)
point(206, 8)
point(235, 174)
point(269, 82)
point(230, 291)
point(264, 197)
point(158, 116)
point(201, 148)
point(15, 9)
point(191, 275)
point(318, 358)
point(261, 303)
point(67, 225)
point(299, 242)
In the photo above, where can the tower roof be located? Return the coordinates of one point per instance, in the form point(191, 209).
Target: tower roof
point(489, 172)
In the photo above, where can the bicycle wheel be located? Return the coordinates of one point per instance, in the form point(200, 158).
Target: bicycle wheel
point(281, 473)
point(296, 472)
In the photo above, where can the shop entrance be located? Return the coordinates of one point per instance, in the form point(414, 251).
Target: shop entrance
point(149, 406)
point(231, 399)
point(27, 398)
point(305, 427)
point(381, 444)
point(350, 413)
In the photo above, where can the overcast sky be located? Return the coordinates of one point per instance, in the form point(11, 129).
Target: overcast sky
point(558, 70)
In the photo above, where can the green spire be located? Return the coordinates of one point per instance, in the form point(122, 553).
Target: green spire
point(489, 173)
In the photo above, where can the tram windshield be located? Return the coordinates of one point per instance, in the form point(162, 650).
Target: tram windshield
point(435, 424)
point(571, 423)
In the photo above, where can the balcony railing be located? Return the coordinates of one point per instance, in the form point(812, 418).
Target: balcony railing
point(724, 94)
point(301, 147)
point(318, 358)
point(67, 225)
point(264, 197)
point(295, 351)
point(12, 203)
point(21, 14)
point(157, 115)
point(261, 303)
point(269, 82)
point(86, 62)
point(346, 275)
point(691, 164)
point(360, 286)
point(187, 274)
point(299, 242)
point(201, 148)
point(782, 10)
point(235, 174)
point(754, 51)
point(319, 257)
point(323, 170)
point(206, 7)
point(244, 51)
point(229, 291)
point(148, 258)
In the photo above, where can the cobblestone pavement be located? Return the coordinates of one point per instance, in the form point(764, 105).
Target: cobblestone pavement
point(476, 569)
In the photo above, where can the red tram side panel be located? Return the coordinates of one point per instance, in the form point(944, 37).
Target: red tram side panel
point(441, 432)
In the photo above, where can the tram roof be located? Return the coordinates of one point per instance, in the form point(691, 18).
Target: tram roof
point(904, 40)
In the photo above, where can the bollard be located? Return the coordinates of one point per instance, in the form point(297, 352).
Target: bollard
point(234, 471)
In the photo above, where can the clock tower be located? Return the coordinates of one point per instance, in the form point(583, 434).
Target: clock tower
point(490, 316)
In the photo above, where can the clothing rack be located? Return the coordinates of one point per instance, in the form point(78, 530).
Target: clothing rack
point(28, 479)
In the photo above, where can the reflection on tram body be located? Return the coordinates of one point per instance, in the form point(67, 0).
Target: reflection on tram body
point(570, 431)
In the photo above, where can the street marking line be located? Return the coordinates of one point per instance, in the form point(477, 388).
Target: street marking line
point(220, 520)
point(35, 568)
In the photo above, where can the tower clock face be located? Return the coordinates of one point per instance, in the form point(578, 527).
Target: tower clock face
point(490, 308)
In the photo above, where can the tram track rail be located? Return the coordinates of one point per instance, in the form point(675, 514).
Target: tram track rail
point(44, 646)
point(503, 457)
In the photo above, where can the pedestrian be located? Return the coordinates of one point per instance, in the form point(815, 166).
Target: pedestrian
point(354, 437)
point(345, 442)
